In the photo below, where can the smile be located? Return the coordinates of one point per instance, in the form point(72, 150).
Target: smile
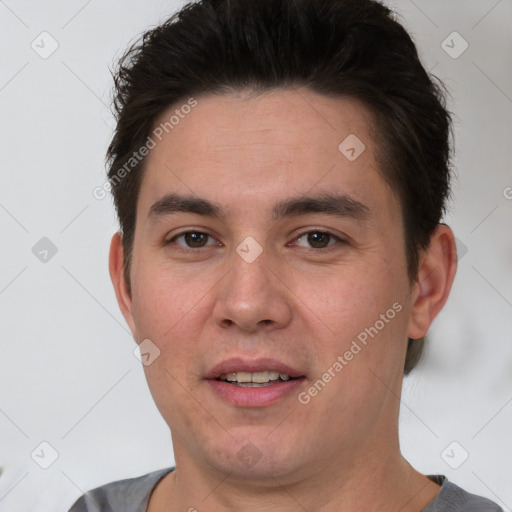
point(254, 379)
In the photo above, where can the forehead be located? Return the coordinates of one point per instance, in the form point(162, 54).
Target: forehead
point(243, 149)
point(300, 120)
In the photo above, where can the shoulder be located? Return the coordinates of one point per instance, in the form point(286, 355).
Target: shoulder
point(129, 495)
point(452, 498)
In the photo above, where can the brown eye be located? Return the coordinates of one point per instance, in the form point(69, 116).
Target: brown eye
point(317, 239)
point(195, 239)
point(192, 240)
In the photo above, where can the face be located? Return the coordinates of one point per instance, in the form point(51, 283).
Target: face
point(263, 247)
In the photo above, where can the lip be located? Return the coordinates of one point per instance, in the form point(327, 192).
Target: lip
point(237, 364)
point(257, 396)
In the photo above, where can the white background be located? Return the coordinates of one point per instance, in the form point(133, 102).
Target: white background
point(68, 374)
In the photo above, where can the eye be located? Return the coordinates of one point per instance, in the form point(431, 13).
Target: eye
point(192, 240)
point(317, 239)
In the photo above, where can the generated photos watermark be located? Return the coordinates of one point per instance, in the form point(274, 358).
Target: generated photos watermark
point(357, 345)
point(100, 192)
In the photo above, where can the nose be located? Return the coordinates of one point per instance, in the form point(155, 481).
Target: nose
point(252, 297)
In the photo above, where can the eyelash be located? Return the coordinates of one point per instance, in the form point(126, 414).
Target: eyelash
point(300, 235)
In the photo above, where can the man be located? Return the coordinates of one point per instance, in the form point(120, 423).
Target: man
point(280, 169)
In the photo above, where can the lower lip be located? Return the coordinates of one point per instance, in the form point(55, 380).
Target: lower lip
point(254, 397)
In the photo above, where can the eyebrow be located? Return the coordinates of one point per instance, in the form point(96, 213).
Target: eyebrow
point(338, 205)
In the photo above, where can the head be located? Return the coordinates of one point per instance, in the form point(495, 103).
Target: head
point(240, 119)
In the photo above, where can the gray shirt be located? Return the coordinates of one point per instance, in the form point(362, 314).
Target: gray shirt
point(132, 495)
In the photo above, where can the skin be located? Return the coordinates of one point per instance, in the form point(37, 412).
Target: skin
point(300, 304)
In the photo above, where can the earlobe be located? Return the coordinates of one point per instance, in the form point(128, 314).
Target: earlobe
point(437, 268)
point(117, 275)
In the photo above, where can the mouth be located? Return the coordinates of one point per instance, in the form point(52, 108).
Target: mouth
point(256, 383)
point(257, 379)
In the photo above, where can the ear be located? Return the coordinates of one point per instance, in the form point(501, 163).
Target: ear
point(116, 269)
point(436, 272)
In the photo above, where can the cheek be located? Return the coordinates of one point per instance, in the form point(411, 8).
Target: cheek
point(358, 314)
point(163, 301)
point(171, 309)
point(345, 299)
point(168, 310)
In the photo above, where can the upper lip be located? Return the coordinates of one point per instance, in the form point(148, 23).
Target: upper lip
point(237, 364)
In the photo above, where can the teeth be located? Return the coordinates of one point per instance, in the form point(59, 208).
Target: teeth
point(243, 377)
point(256, 377)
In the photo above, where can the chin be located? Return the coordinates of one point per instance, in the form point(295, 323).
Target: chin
point(256, 453)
